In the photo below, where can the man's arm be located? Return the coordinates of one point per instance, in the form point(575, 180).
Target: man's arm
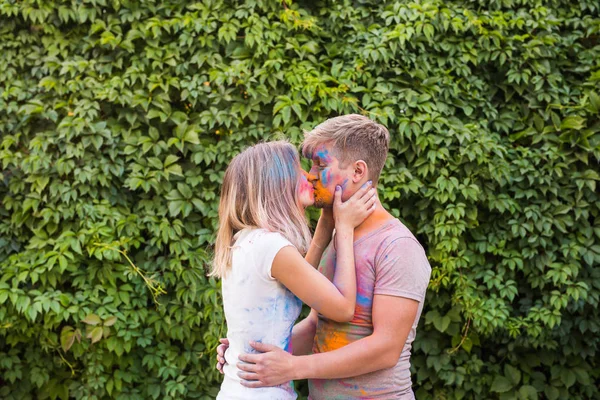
point(303, 334)
point(392, 321)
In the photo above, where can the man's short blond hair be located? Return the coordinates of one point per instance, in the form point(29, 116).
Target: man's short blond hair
point(354, 137)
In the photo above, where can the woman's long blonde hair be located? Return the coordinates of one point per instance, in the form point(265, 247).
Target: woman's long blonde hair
point(259, 190)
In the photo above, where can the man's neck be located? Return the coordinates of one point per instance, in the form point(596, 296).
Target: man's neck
point(378, 218)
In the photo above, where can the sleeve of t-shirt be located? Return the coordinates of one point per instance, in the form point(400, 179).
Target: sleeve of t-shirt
point(267, 245)
point(402, 270)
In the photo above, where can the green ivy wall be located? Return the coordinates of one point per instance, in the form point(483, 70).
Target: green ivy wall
point(118, 118)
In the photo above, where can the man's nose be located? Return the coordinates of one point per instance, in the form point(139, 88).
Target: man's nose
point(311, 176)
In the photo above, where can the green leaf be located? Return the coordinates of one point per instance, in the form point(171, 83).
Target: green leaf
point(576, 123)
point(109, 386)
point(551, 392)
point(92, 319)
point(513, 374)
point(67, 338)
point(185, 190)
point(528, 392)
point(467, 344)
point(95, 334)
point(174, 169)
point(595, 101)
point(568, 377)
point(501, 384)
point(179, 117)
point(442, 323)
point(539, 123)
point(191, 136)
point(175, 207)
point(171, 159)
point(110, 321)
point(23, 303)
point(428, 31)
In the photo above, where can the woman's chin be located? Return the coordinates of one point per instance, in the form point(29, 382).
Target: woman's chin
point(307, 202)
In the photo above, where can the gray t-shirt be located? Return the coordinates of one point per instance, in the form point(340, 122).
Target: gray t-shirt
point(389, 261)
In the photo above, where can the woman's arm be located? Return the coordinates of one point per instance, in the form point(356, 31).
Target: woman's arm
point(334, 300)
point(304, 332)
point(321, 238)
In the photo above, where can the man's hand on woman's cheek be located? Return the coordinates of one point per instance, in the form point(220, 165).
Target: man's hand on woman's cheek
point(272, 367)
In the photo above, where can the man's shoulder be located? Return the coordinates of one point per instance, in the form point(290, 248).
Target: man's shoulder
point(397, 242)
point(395, 233)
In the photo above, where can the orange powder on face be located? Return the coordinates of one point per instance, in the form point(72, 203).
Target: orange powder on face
point(323, 197)
point(322, 177)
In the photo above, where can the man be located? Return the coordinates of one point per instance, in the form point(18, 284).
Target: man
point(368, 357)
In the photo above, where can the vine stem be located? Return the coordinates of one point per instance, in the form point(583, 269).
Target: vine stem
point(66, 362)
point(464, 337)
point(150, 283)
point(57, 348)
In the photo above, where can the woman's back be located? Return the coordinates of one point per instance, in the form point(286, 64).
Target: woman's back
point(257, 307)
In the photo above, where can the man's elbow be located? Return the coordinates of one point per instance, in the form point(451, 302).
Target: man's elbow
point(390, 353)
point(389, 360)
point(392, 356)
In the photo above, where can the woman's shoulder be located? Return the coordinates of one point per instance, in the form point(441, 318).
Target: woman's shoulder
point(259, 236)
point(258, 247)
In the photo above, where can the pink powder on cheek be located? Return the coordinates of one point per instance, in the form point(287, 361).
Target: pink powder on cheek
point(305, 186)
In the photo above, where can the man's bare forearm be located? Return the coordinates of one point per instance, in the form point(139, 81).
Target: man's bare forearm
point(358, 358)
point(392, 321)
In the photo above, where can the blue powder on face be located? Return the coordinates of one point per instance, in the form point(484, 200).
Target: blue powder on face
point(323, 155)
point(325, 177)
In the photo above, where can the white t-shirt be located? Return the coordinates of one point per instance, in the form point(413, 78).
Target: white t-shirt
point(258, 308)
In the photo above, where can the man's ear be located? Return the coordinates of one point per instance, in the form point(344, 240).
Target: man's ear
point(360, 171)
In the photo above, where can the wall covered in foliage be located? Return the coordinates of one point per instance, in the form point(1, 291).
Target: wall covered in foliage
point(118, 118)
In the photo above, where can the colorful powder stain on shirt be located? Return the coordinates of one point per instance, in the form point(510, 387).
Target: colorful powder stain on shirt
point(389, 261)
